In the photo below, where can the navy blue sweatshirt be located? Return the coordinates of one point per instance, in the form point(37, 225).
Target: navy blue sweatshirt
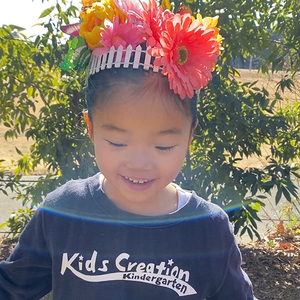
point(81, 246)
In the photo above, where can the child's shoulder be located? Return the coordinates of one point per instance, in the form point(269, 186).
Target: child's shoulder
point(207, 205)
point(206, 210)
point(208, 218)
point(72, 191)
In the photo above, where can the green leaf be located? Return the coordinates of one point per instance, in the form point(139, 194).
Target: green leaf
point(19, 151)
point(29, 91)
point(286, 194)
point(250, 233)
point(46, 12)
point(64, 17)
point(3, 225)
point(253, 223)
point(58, 7)
point(278, 195)
point(243, 231)
point(16, 27)
point(5, 193)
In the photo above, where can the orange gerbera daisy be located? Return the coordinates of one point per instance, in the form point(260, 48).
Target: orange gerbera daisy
point(187, 53)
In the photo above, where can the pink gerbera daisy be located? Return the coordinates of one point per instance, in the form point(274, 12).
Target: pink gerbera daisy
point(116, 34)
point(129, 5)
point(187, 52)
point(152, 20)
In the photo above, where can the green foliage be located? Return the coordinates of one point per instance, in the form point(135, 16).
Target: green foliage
point(2, 176)
point(17, 222)
point(29, 75)
point(287, 145)
point(291, 213)
point(235, 120)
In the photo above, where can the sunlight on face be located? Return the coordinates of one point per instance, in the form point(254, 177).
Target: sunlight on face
point(140, 144)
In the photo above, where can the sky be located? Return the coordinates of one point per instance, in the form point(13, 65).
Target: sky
point(25, 13)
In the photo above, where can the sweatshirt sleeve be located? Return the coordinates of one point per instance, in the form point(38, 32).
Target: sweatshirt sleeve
point(236, 284)
point(26, 274)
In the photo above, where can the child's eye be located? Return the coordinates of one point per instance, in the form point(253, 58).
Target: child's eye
point(161, 148)
point(116, 145)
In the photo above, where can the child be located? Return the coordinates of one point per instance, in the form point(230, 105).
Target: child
point(129, 232)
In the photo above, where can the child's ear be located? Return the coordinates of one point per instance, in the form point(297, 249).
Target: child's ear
point(192, 132)
point(89, 125)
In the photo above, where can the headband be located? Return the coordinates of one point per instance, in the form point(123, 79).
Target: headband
point(139, 33)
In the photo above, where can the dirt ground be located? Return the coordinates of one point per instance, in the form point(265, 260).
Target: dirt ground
point(273, 265)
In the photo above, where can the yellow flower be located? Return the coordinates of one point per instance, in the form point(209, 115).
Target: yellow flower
point(210, 22)
point(93, 18)
point(166, 4)
point(87, 2)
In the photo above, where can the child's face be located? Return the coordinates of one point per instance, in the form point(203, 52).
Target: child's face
point(140, 144)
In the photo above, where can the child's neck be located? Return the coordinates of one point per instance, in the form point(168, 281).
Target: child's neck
point(162, 203)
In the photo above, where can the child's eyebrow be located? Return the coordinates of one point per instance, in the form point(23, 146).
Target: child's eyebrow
point(111, 127)
point(172, 131)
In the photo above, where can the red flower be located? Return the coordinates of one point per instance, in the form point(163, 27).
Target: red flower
point(187, 51)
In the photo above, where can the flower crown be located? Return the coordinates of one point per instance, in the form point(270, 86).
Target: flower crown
point(114, 33)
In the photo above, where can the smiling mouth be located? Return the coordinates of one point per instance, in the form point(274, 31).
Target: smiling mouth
point(137, 181)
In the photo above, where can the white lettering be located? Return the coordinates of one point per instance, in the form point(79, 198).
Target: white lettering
point(174, 271)
point(104, 266)
point(119, 259)
point(80, 266)
point(185, 274)
point(66, 263)
point(150, 268)
point(160, 267)
point(91, 263)
point(140, 267)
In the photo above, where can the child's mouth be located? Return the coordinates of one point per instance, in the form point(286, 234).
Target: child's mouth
point(137, 181)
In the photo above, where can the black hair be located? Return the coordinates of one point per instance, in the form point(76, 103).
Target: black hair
point(103, 84)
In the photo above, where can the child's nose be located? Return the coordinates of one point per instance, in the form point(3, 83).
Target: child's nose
point(140, 160)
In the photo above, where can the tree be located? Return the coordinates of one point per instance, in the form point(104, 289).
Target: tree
point(30, 70)
point(235, 119)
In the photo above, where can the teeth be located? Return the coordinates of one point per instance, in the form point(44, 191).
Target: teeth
point(136, 181)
